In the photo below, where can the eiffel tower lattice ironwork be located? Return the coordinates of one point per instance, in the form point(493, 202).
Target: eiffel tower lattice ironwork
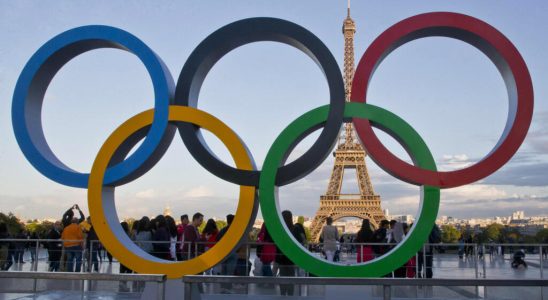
point(349, 155)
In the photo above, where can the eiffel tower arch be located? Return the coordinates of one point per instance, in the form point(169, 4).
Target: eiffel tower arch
point(349, 155)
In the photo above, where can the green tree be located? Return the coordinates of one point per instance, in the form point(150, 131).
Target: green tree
point(542, 236)
point(307, 233)
point(130, 222)
point(12, 222)
point(493, 232)
point(41, 229)
point(220, 224)
point(510, 234)
point(201, 227)
point(449, 234)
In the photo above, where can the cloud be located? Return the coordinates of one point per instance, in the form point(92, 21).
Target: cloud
point(199, 192)
point(533, 175)
point(146, 194)
point(44, 206)
point(453, 162)
point(537, 138)
point(473, 191)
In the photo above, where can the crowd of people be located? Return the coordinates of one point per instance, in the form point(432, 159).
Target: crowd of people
point(13, 252)
point(73, 240)
point(371, 243)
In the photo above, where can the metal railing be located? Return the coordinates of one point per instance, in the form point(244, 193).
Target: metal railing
point(386, 283)
point(86, 277)
point(477, 253)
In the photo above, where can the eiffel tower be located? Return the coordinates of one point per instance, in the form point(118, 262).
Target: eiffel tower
point(349, 155)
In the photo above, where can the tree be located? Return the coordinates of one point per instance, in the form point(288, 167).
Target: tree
point(511, 235)
point(220, 224)
point(40, 229)
point(12, 222)
point(307, 233)
point(493, 233)
point(450, 234)
point(542, 236)
point(129, 221)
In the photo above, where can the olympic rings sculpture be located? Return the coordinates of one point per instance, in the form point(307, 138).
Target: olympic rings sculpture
point(175, 109)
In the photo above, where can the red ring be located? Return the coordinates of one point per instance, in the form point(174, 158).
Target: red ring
point(482, 36)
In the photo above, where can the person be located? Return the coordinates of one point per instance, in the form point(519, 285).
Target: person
point(364, 237)
point(73, 237)
point(426, 258)
point(172, 229)
point(228, 266)
point(286, 266)
point(191, 237)
point(32, 237)
point(329, 236)
point(397, 236)
point(161, 237)
point(519, 260)
point(54, 247)
point(469, 249)
point(209, 234)
point(266, 251)
point(5, 255)
point(133, 231)
point(379, 236)
point(461, 247)
point(92, 242)
point(411, 264)
point(389, 230)
point(243, 266)
point(301, 233)
point(143, 236)
point(68, 216)
point(20, 246)
point(180, 230)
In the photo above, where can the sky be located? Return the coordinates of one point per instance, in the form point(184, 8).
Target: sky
point(446, 89)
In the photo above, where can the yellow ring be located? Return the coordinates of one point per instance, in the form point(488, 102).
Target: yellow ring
point(103, 211)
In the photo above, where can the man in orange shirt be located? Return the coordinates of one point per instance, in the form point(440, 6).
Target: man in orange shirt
point(73, 241)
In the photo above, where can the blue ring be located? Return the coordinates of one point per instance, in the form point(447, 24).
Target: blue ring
point(37, 75)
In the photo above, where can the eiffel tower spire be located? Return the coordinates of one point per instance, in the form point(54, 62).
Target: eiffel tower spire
point(348, 139)
point(349, 155)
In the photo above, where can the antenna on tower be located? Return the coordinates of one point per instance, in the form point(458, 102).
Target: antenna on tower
point(348, 8)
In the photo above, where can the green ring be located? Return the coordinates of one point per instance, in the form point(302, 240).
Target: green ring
point(391, 124)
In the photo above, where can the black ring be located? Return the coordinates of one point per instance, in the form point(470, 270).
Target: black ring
point(239, 33)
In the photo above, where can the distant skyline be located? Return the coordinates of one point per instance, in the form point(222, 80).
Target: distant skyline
point(447, 90)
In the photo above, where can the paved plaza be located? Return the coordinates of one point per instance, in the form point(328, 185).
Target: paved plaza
point(446, 266)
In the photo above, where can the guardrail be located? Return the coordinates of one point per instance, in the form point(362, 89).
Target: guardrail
point(159, 279)
point(476, 252)
point(386, 283)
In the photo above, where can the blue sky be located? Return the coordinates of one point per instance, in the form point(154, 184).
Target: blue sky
point(447, 90)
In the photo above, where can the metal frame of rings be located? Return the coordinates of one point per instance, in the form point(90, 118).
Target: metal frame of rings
point(175, 109)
